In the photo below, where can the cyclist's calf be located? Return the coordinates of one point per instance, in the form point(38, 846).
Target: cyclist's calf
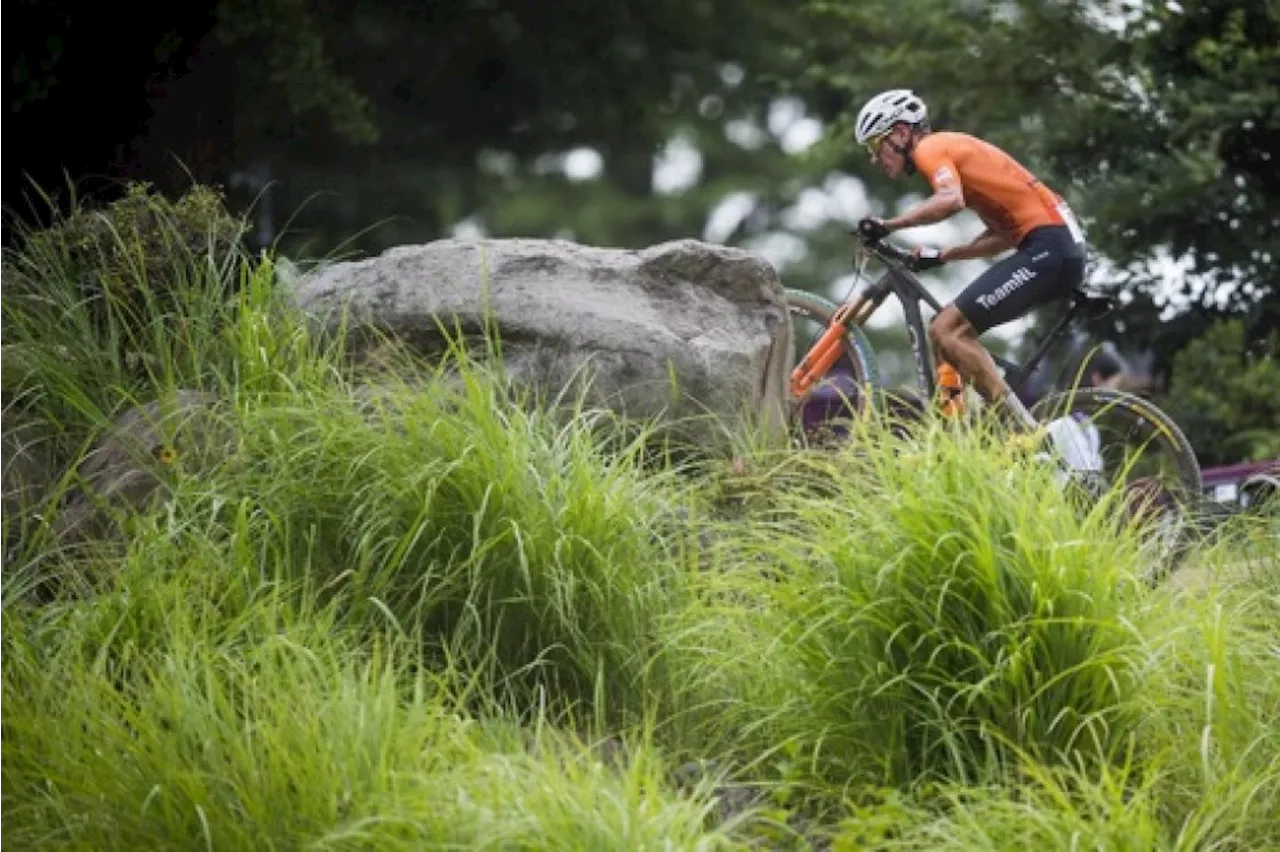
point(947, 325)
point(956, 341)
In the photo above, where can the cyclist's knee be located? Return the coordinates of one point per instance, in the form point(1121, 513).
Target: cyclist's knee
point(936, 336)
point(949, 324)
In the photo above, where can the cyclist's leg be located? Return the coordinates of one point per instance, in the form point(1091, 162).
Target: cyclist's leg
point(1046, 266)
point(957, 339)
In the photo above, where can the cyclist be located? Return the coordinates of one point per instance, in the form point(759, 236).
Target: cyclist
point(1019, 212)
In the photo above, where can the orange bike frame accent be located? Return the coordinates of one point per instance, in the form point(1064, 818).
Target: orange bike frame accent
point(830, 346)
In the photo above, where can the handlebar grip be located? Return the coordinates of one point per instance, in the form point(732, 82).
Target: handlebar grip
point(890, 250)
point(882, 248)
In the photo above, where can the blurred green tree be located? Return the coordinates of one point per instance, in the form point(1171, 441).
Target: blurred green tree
point(1223, 394)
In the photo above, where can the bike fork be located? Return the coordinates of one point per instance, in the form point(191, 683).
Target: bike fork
point(829, 347)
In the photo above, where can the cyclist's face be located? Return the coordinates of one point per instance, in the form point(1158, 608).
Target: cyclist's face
point(881, 149)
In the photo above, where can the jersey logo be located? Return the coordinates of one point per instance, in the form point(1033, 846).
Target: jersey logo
point(943, 175)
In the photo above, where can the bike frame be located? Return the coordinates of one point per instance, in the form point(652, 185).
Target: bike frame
point(899, 282)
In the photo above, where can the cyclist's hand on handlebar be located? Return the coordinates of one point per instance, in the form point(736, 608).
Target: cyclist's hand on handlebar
point(922, 258)
point(871, 229)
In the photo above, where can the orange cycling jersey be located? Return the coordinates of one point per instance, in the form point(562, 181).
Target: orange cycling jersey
point(1006, 196)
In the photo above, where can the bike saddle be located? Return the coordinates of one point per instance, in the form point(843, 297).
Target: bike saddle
point(1094, 305)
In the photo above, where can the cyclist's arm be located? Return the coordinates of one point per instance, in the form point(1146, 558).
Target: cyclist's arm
point(947, 201)
point(986, 244)
point(936, 164)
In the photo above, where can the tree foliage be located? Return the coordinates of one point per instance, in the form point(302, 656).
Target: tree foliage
point(423, 113)
point(1162, 126)
point(1223, 394)
point(1183, 154)
point(364, 125)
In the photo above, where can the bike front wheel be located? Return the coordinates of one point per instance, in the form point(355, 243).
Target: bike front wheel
point(852, 386)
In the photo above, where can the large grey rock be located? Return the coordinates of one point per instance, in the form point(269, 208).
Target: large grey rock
point(711, 318)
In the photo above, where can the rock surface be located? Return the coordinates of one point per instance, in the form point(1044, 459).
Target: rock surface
point(679, 330)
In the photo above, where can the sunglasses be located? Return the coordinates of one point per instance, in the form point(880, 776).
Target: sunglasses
point(875, 143)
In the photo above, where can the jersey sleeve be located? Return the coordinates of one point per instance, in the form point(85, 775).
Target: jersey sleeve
point(933, 160)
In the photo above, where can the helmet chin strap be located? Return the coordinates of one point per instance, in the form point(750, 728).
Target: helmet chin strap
point(904, 151)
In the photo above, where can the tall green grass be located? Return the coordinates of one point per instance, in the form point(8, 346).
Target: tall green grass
point(445, 512)
point(1051, 809)
point(1211, 724)
point(932, 610)
point(415, 607)
point(271, 728)
point(104, 306)
point(261, 659)
point(1203, 770)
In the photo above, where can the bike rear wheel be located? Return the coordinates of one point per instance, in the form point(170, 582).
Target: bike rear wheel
point(850, 388)
point(1138, 449)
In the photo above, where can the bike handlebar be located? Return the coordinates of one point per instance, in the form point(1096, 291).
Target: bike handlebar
point(885, 251)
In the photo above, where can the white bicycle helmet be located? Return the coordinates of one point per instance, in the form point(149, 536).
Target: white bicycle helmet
point(886, 109)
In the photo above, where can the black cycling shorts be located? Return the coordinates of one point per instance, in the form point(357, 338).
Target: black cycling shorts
point(1048, 265)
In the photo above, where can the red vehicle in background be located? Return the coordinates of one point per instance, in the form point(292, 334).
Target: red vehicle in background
point(1242, 486)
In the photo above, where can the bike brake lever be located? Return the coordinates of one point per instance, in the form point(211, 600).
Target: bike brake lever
point(861, 248)
point(885, 252)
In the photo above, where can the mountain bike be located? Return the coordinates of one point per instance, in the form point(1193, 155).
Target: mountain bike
point(1100, 437)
